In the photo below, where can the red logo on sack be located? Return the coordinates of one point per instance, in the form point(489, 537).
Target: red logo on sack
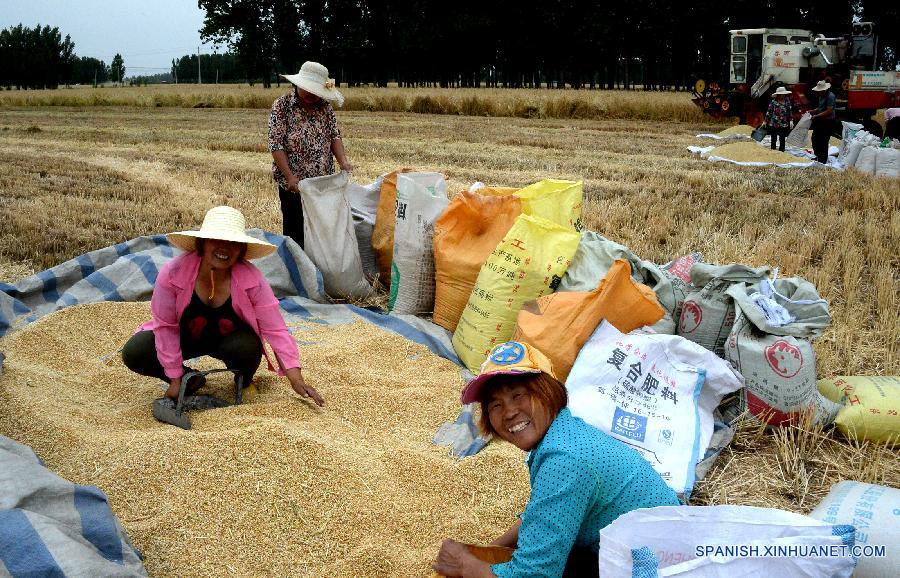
point(691, 315)
point(784, 359)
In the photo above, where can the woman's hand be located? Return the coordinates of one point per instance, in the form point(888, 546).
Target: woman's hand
point(454, 559)
point(299, 384)
point(293, 183)
point(346, 165)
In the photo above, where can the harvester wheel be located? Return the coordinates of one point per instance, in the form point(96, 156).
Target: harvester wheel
point(845, 86)
point(714, 87)
point(705, 104)
point(700, 86)
point(725, 105)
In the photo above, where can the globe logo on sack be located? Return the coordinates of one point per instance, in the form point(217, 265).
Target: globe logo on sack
point(691, 315)
point(785, 359)
point(629, 425)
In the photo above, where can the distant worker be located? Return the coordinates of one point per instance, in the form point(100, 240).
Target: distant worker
point(581, 478)
point(822, 121)
point(778, 117)
point(892, 123)
point(212, 301)
point(304, 140)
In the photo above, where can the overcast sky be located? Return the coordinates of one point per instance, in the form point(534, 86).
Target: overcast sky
point(147, 33)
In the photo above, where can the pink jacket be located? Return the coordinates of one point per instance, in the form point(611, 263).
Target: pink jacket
point(251, 297)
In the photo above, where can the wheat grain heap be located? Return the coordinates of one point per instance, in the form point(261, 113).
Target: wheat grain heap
point(736, 130)
point(275, 486)
point(750, 151)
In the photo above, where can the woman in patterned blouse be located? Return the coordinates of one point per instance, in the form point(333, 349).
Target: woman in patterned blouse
point(303, 138)
point(778, 117)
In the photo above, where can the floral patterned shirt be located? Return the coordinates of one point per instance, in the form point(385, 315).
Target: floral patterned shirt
point(779, 114)
point(305, 135)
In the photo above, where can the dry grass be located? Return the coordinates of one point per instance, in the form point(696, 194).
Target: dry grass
point(593, 104)
point(113, 173)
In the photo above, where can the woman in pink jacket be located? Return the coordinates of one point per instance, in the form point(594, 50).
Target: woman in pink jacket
point(212, 301)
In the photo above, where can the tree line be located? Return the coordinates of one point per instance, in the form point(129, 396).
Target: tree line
point(517, 43)
point(41, 57)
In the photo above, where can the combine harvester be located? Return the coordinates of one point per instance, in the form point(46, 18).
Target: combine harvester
point(764, 58)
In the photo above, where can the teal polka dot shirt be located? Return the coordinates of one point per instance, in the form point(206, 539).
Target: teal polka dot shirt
point(581, 480)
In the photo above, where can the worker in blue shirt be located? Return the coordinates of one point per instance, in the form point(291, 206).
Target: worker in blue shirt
point(822, 121)
point(581, 478)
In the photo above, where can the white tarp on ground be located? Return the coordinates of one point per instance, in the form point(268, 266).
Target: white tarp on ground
point(799, 153)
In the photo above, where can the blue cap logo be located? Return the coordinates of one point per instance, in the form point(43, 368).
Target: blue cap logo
point(508, 353)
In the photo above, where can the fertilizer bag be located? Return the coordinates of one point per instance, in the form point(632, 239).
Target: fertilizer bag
point(707, 313)
point(558, 201)
point(464, 237)
point(848, 132)
point(869, 406)
point(363, 201)
point(875, 513)
point(420, 201)
point(887, 163)
point(528, 263)
point(670, 281)
point(385, 219)
point(770, 344)
point(853, 150)
point(558, 325)
point(329, 235)
point(723, 541)
point(653, 392)
point(593, 259)
point(797, 137)
point(865, 163)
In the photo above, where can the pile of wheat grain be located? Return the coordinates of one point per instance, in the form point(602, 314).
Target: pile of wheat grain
point(736, 130)
point(750, 151)
point(273, 487)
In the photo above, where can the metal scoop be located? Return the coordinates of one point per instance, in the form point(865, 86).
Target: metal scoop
point(172, 412)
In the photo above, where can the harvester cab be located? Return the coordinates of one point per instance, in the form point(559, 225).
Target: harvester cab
point(761, 59)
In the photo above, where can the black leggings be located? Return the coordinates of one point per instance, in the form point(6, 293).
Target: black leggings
point(240, 350)
point(821, 134)
point(778, 134)
point(291, 215)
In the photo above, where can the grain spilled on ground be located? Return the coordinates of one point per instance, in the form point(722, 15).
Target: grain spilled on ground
point(273, 487)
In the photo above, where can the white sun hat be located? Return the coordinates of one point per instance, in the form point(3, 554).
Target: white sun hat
point(313, 78)
point(225, 224)
point(781, 90)
point(821, 85)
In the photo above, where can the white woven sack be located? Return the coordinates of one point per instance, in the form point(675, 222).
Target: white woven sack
point(887, 163)
point(723, 541)
point(421, 199)
point(848, 132)
point(653, 392)
point(853, 150)
point(797, 137)
point(363, 201)
point(866, 161)
point(329, 236)
point(875, 513)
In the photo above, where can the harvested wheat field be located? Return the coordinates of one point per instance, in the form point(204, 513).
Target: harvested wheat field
point(275, 486)
point(356, 488)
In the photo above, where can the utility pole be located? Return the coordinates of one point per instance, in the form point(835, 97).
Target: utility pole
point(95, 77)
point(215, 57)
point(198, 65)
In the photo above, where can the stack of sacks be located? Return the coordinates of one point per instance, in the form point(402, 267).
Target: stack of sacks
point(870, 155)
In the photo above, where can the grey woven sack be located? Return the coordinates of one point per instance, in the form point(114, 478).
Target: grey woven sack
point(775, 355)
point(592, 261)
point(708, 312)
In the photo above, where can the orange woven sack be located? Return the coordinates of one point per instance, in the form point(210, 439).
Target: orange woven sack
point(497, 191)
point(561, 323)
point(383, 233)
point(464, 236)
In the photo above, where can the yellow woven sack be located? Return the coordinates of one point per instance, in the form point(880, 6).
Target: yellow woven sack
point(558, 201)
point(871, 405)
point(529, 262)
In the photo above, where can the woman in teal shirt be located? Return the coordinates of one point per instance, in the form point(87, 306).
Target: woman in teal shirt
point(581, 478)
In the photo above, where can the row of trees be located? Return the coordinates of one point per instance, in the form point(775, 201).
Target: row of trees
point(213, 68)
point(40, 57)
point(516, 43)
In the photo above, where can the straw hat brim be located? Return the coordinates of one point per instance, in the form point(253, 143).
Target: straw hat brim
point(826, 87)
point(187, 241)
point(332, 95)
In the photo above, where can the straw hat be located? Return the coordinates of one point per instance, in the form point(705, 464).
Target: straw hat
point(313, 78)
point(821, 85)
point(781, 91)
point(225, 224)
